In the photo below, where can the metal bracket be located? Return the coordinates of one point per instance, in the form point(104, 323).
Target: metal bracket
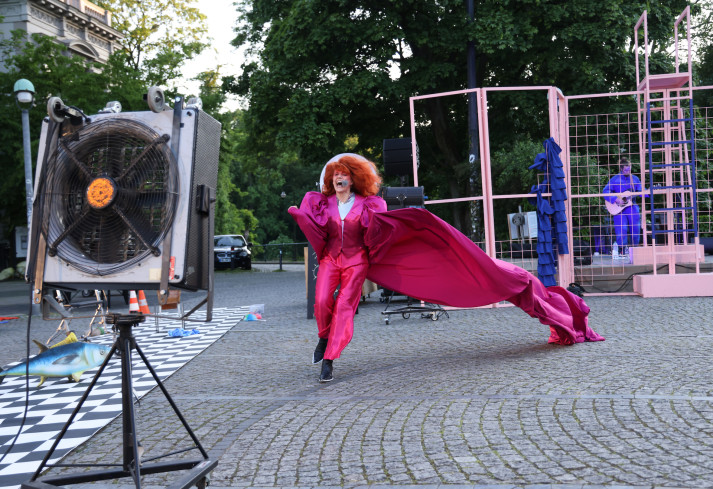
point(166, 249)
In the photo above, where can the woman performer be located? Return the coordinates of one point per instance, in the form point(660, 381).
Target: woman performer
point(414, 252)
point(338, 217)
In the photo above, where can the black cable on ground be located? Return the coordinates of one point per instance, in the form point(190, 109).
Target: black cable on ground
point(630, 277)
point(27, 381)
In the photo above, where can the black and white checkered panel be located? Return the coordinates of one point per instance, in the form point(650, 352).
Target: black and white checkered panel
point(51, 405)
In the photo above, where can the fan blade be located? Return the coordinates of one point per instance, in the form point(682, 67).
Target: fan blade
point(160, 140)
point(138, 234)
point(69, 229)
point(147, 198)
point(115, 244)
point(74, 159)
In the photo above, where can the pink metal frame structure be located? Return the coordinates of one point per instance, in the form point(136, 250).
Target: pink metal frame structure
point(580, 137)
point(557, 128)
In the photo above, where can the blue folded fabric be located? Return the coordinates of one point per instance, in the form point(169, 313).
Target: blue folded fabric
point(549, 210)
point(178, 332)
point(540, 162)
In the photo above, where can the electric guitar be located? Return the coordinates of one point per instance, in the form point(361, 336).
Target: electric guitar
point(615, 208)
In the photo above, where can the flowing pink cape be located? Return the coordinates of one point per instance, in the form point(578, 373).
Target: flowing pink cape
point(415, 253)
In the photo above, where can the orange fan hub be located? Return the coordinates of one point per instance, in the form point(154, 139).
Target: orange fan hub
point(101, 192)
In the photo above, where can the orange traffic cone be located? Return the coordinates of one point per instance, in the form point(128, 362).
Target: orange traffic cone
point(143, 305)
point(133, 303)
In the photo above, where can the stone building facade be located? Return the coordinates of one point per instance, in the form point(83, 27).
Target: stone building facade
point(80, 25)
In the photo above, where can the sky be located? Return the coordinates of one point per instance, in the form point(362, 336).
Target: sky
point(221, 16)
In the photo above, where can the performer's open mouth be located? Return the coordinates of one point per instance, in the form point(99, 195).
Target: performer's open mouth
point(341, 183)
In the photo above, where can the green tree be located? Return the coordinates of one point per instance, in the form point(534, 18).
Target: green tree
point(257, 182)
point(160, 35)
point(53, 73)
point(229, 218)
point(330, 71)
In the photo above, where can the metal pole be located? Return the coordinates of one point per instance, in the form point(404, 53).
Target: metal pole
point(472, 103)
point(474, 156)
point(28, 163)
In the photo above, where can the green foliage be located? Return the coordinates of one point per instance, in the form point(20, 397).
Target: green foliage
point(511, 175)
point(53, 73)
point(160, 35)
point(255, 181)
point(272, 252)
point(211, 94)
point(510, 167)
point(229, 219)
point(331, 71)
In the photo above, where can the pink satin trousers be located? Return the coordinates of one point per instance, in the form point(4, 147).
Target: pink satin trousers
point(335, 318)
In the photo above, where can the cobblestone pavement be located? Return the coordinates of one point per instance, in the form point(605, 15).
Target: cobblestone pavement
point(477, 399)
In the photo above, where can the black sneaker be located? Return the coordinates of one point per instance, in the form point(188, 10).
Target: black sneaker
point(318, 354)
point(326, 375)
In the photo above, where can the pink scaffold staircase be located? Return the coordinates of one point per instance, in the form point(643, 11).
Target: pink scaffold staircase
point(668, 157)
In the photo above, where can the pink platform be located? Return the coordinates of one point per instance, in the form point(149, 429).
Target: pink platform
point(679, 285)
point(644, 255)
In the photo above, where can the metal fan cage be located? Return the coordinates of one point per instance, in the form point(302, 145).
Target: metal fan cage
point(136, 167)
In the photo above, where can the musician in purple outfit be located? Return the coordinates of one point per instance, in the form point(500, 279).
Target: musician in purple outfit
point(625, 211)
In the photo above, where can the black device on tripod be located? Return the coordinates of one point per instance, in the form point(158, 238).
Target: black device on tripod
point(132, 465)
point(126, 201)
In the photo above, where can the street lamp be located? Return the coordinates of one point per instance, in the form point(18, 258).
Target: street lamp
point(24, 98)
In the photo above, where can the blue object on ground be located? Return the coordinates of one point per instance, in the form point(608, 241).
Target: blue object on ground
point(178, 332)
point(251, 317)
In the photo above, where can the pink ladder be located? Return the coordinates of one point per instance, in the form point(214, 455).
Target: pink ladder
point(667, 153)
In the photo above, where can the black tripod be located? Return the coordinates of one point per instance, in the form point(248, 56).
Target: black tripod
point(198, 469)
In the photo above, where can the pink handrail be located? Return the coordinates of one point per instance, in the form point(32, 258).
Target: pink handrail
point(686, 13)
point(642, 20)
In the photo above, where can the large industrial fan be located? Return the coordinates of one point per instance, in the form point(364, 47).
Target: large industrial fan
point(111, 196)
point(123, 200)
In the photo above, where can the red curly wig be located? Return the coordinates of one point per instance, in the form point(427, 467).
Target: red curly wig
point(365, 177)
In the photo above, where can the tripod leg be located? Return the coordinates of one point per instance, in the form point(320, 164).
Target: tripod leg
point(197, 471)
point(170, 401)
point(74, 413)
point(132, 464)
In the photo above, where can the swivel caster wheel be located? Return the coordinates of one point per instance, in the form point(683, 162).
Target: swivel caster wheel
point(386, 320)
